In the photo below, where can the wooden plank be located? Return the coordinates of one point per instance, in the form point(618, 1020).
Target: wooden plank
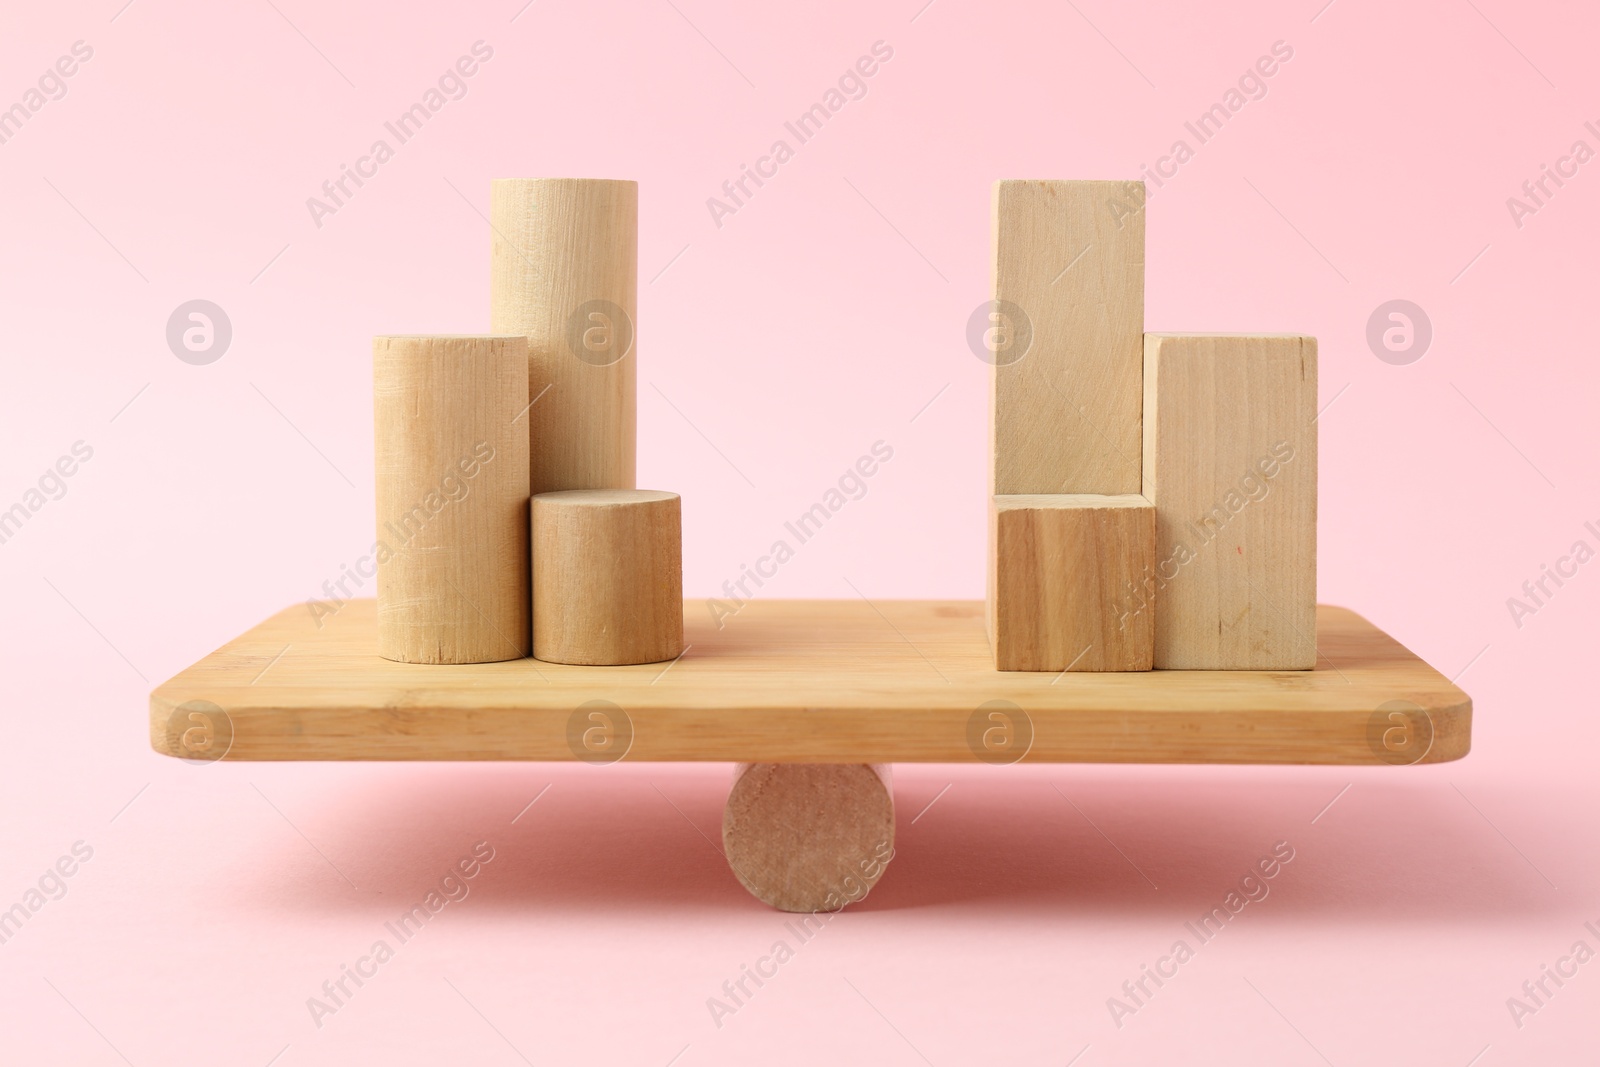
point(564, 270)
point(1069, 269)
point(804, 681)
point(1230, 462)
point(1066, 578)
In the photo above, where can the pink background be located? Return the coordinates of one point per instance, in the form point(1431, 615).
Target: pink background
point(827, 314)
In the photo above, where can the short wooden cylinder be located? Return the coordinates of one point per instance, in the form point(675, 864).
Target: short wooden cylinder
point(607, 576)
point(809, 837)
point(452, 505)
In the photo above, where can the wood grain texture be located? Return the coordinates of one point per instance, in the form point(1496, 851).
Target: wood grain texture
point(1230, 463)
point(607, 576)
point(564, 271)
point(1065, 416)
point(816, 681)
point(452, 468)
point(809, 837)
point(1065, 582)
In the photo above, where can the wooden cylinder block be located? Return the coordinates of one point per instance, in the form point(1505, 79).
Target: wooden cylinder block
point(565, 271)
point(809, 837)
point(452, 478)
point(607, 576)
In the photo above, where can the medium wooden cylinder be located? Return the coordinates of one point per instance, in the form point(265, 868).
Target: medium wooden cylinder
point(809, 836)
point(565, 271)
point(452, 479)
point(607, 576)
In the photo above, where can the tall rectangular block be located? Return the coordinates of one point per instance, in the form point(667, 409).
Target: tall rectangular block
point(564, 271)
point(1066, 329)
point(1230, 462)
point(1064, 582)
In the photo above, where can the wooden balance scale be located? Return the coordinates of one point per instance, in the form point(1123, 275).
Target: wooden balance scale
point(1156, 438)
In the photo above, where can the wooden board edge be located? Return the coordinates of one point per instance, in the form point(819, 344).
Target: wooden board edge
point(1448, 709)
point(416, 734)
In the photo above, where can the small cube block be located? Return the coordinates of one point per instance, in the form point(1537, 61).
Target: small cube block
point(1069, 581)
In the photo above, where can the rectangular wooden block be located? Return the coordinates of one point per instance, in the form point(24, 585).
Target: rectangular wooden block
point(1230, 462)
point(1065, 336)
point(1065, 582)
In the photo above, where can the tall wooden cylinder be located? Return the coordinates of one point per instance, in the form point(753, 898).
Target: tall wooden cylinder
point(607, 576)
point(452, 493)
point(565, 272)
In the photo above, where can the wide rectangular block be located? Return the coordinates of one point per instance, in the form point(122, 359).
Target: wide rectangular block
point(1065, 336)
point(564, 271)
point(1230, 462)
point(1066, 582)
